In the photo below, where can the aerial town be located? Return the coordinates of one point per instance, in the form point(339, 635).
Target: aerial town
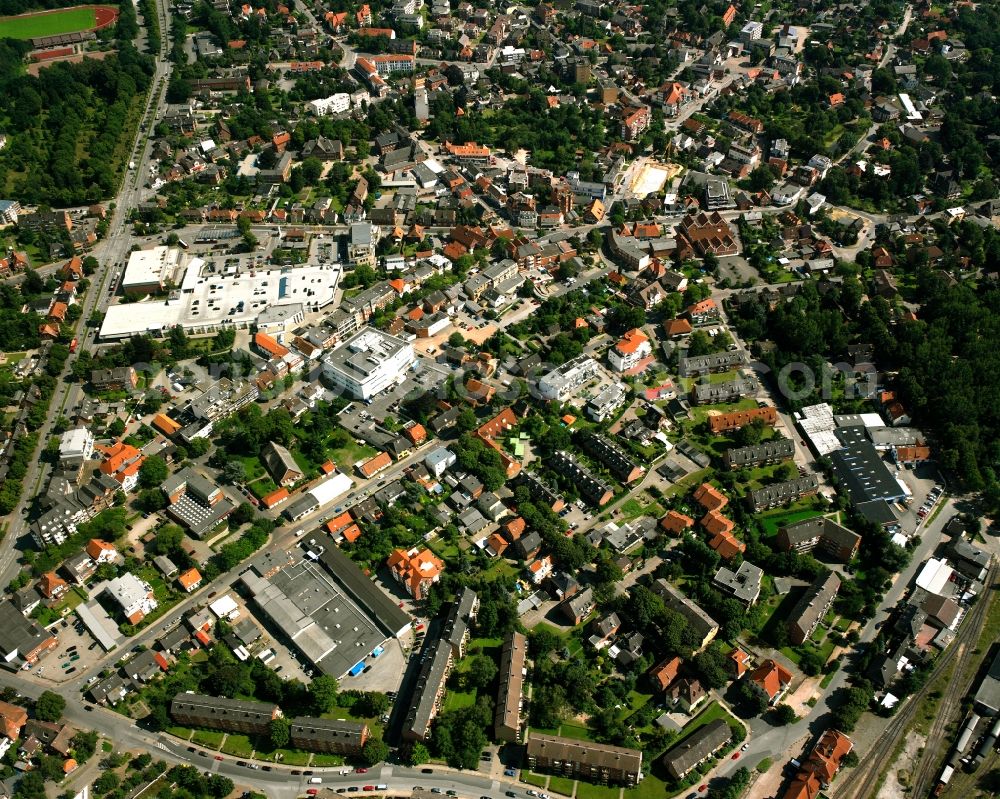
point(542, 400)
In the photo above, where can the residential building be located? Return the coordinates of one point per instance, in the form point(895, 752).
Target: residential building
point(76, 447)
point(121, 463)
point(771, 496)
point(417, 569)
point(771, 680)
point(190, 580)
point(134, 596)
point(513, 667)
point(728, 422)
point(563, 381)
point(629, 351)
point(703, 625)
point(743, 585)
point(223, 713)
point(812, 607)
point(591, 488)
point(697, 748)
point(429, 690)
point(718, 393)
point(279, 462)
point(368, 363)
point(698, 365)
point(820, 532)
point(818, 770)
point(708, 233)
point(774, 451)
point(222, 399)
point(622, 467)
point(119, 378)
point(592, 762)
point(332, 736)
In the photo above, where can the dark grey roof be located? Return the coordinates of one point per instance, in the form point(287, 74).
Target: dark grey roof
point(382, 608)
point(776, 449)
point(221, 708)
point(306, 729)
point(862, 472)
point(696, 747)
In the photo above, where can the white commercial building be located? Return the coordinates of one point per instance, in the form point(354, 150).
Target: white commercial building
point(334, 104)
point(135, 596)
point(368, 363)
point(207, 302)
point(76, 446)
point(149, 271)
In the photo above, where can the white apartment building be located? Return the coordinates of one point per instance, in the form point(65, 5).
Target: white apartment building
point(334, 104)
point(76, 447)
point(135, 596)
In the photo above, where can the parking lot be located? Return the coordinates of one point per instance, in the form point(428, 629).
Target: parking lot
point(76, 651)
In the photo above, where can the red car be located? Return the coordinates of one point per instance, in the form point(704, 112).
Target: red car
point(368, 788)
point(361, 771)
point(219, 757)
point(312, 792)
point(703, 788)
point(736, 755)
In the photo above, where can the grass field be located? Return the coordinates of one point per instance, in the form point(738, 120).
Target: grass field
point(27, 26)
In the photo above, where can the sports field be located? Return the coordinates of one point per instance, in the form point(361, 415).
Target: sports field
point(50, 23)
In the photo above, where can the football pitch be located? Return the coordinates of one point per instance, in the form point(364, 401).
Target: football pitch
point(52, 23)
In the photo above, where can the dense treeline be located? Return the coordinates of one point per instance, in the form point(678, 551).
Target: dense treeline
point(67, 146)
point(946, 363)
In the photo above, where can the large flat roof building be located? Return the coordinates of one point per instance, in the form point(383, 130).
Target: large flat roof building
point(368, 363)
point(149, 271)
point(312, 612)
point(860, 470)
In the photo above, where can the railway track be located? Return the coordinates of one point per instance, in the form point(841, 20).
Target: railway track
point(862, 782)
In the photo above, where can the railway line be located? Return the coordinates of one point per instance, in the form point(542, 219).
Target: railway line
point(862, 782)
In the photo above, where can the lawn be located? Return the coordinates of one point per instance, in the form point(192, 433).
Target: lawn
point(632, 508)
point(456, 700)
point(538, 780)
point(586, 790)
point(346, 457)
point(573, 730)
point(561, 785)
point(238, 745)
point(27, 26)
point(325, 761)
point(208, 738)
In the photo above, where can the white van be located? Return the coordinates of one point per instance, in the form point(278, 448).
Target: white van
point(299, 533)
point(381, 787)
point(315, 780)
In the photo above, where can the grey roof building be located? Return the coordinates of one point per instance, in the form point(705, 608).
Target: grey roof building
point(335, 736)
point(819, 532)
point(428, 693)
point(773, 451)
point(697, 748)
point(729, 391)
point(812, 607)
point(507, 718)
point(697, 365)
point(860, 469)
point(742, 584)
point(223, 713)
point(779, 493)
point(704, 625)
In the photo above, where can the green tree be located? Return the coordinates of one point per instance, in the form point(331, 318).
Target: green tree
point(482, 672)
point(375, 751)
point(323, 693)
point(49, 706)
point(784, 715)
point(417, 755)
point(279, 731)
point(153, 472)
